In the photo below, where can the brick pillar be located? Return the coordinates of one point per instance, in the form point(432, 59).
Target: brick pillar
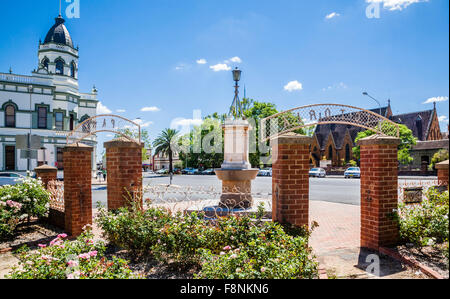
point(290, 179)
point(379, 191)
point(442, 169)
point(124, 171)
point(46, 173)
point(77, 160)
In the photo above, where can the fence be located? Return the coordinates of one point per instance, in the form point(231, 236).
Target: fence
point(57, 210)
point(413, 192)
point(208, 200)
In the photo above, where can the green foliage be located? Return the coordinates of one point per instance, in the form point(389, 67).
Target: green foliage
point(24, 200)
point(407, 142)
point(440, 156)
point(165, 144)
point(426, 223)
point(62, 259)
point(252, 245)
point(353, 163)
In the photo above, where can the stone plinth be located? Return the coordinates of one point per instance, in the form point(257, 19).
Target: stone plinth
point(236, 187)
point(442, 169)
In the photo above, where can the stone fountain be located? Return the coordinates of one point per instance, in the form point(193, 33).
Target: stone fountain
point(236, 173)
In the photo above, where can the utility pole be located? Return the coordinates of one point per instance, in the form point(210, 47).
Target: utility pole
point(30, 89)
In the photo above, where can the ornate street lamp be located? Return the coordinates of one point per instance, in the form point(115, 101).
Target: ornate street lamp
point(236, 107)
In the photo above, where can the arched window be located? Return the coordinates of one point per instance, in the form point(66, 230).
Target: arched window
point(347, 153)
point(10, 116)
point(59, 66)
point(330, 152)
point(72, 69)
point(45, 62)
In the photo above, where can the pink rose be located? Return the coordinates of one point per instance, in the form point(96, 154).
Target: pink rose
point(226, 248)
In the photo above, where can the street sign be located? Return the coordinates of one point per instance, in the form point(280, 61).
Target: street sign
point(22, 142)
point(28, 154)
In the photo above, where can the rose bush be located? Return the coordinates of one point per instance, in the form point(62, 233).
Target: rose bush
point(63, 259)
point(231, 247)
point(27, 199)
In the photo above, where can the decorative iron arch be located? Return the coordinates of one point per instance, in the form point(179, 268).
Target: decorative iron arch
point(323, 114)
point(105, 123)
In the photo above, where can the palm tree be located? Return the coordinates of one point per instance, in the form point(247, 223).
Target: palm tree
point(164, 144)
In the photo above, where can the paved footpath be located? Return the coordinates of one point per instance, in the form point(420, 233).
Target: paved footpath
point(336, 244)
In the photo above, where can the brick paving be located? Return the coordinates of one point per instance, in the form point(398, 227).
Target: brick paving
point(339, 226)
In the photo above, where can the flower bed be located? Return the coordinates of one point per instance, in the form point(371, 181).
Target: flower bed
point(232, 247)
point(62, 259)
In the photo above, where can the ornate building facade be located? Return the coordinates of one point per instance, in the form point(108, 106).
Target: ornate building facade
point(48, 102)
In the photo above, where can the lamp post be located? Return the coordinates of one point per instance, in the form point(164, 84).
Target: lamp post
point(368, 95)
point(236, 107)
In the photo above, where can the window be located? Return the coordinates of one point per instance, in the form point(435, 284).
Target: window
point(10, 116)
point(42, 118)
point(59, 66)
point(347, 153)
point(330, 152)
point(72, 69)
point(59, 118)
point(59, 158)
point(71, 122)
point(45, 62)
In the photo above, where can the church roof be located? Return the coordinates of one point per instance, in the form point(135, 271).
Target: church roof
point(59, 33)
point(418, 122)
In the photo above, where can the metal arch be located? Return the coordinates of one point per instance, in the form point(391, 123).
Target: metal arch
point(89, 127)
point(351, 115)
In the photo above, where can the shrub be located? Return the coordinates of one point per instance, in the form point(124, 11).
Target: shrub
point(24, 200)
point(426, 223)
point(63, 259)
point(191, 240)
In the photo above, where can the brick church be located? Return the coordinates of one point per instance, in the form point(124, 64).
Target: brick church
point(334, 142)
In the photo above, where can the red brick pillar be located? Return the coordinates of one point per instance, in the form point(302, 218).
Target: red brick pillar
point(77, 160)
point(124, 171)
point(46, 173)
point(442, 169)
point(290, 179)
point(379, 191)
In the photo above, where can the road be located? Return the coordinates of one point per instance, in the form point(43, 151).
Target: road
point(330, 189)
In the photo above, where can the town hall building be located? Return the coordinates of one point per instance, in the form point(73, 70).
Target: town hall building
point(47, 104)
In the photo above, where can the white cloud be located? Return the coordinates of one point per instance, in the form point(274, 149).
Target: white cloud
point(202, 61)
point(102, 109)
point(395, 4)
point(332, 15)
point(443, 119)
point(186, 122)
point(121, 110)
point(150, 109)
point(293, 86)
point(236, 59)
point(220, 67)
point(142, 123)
point(340, 85)
point(436, 100)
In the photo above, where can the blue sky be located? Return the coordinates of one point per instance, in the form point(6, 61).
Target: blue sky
point(142, 53)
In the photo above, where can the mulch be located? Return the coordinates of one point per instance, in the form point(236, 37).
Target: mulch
point(30, 235)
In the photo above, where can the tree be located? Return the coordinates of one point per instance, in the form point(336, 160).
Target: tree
point(407, 142)
point(440, 156)
point(165, 144)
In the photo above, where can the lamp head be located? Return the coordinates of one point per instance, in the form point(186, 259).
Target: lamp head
point(237, 75)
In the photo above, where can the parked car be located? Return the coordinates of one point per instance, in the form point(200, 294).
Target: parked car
point(265, 172)
point(318, 173)
point(10, 178)
point(353, 172)
point(193, 172)
point(186, 170)
point(209, 171)
point(163, 171)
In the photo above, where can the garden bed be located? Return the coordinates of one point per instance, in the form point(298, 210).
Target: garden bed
point(429, 256)
point(31, 235)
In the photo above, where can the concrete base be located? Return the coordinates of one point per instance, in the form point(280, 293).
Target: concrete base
point(236, 188)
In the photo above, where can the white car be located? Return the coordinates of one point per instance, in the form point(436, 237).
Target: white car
point(318, 173)
point(265, 172)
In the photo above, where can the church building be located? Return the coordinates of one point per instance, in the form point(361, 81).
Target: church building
point(46, 104)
